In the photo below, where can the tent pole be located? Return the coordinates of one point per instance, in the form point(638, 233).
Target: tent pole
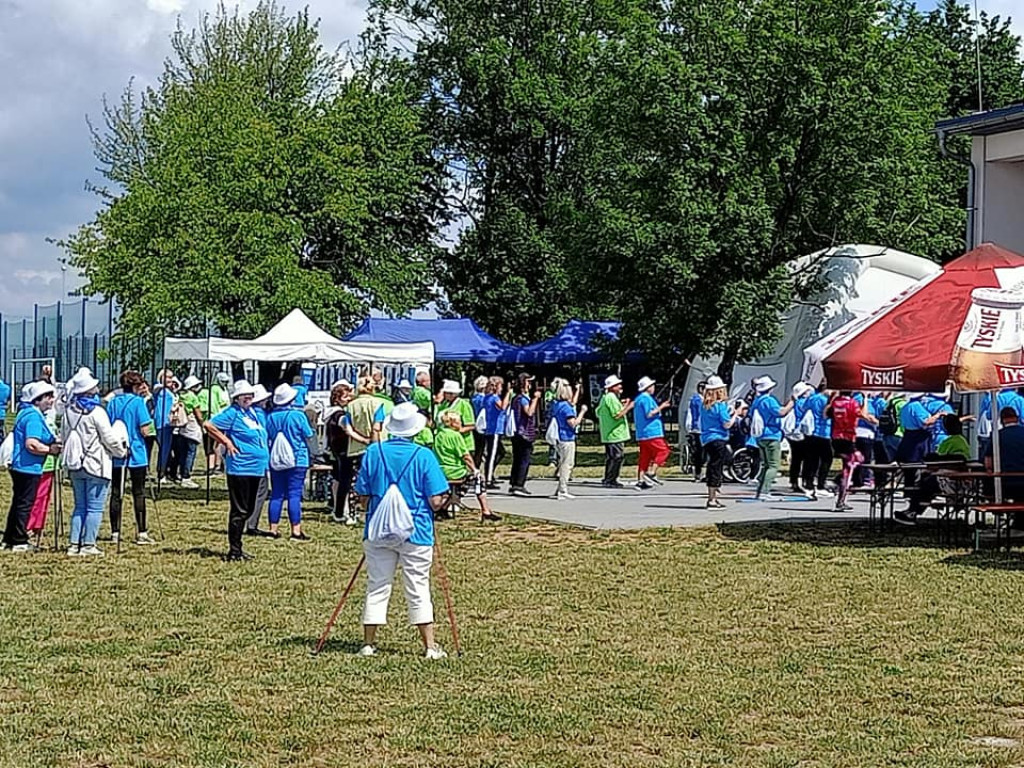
point(209, 414)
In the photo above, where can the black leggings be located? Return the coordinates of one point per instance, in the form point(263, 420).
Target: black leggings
point(138, 478)
point(522, 452)
point(696, 453)
point(242, 490)
point(717, 452)
point(817, 462)
point(797, 460)
point(23, 496)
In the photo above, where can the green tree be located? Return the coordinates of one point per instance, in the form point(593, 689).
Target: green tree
point(259, 175)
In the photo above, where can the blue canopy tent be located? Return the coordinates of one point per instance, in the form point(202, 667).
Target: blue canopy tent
point(579, 341)
point(454, 338)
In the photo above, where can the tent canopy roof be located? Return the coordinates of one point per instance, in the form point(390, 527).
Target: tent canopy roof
point(296, 338)
point(907, 344)
point(579, 341)
point(454, 338)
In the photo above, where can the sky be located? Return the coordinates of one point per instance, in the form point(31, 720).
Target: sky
point(58, 58)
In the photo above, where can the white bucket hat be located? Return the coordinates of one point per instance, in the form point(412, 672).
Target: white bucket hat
point(644, 383)
point(405, 421)
point(242, 387)
point(802, 388)
point(404, 384)
point(611, 381)
point(192, 381)
point(260, 393)
point(451, 387)
point(82, 382)
point(342, 383)
point(36, 389)
point(284, 394)
point(764, 384)
point(224, 378)
point(714, 382)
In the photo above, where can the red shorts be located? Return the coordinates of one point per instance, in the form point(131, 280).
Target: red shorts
point(653, 451)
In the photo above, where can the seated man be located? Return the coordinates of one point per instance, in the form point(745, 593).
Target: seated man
point(954, 446)
point(1011, 456)
point(457, 462)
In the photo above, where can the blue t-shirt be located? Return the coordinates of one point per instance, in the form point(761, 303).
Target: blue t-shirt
point(1006, 399)
point(768, 406)
point(30, 424)
point(936, 405)
point(561, 412)
point(696, 406)
point(418, 475)
point(477, 401)
point(816, 404)
point(495, 415)
point(300, 397)
point(863, 424)
point(647, 428)
point(5, 395)
point(913, 416)
point(800, 409)
point(246, 431)
point(131, 409)
point(293, 424)
point(712, 423)
point(163, 402)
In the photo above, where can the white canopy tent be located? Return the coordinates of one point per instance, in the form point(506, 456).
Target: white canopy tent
point(296, 338)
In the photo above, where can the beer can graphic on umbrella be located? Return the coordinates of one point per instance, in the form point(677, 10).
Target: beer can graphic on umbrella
point(990, 341)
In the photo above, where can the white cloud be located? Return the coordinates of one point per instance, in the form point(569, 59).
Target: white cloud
point(58, 59)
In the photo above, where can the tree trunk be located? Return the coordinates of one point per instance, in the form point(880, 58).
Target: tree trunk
point(728, 364)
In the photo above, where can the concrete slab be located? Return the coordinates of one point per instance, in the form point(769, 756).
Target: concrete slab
point(679, 503)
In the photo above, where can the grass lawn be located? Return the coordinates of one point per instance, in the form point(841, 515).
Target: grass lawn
point(771, 646)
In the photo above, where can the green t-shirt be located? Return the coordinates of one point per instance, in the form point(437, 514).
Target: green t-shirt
point(212, 401)
point(191, 401)
point(389, 404)
point(449, 447)
point(613, 430)
point(955, 445)
point(421, 396)
point(465, 410)
point(425, 437)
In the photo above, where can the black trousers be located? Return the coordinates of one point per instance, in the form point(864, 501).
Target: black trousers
point(23, 496)
point(242, 490)
point(494, 452)
point(522, 453)
point(817, 462)
point(717, 452)
point(866, 446)
point(347, 471)
point(696, 452)
point(138, 479)
point(797, 459)
point(479, 443)
point(614, 454)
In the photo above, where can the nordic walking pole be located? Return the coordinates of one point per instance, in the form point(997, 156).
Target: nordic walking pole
point(56, 513)
point(120, 521)
point(446, 588)
point(337, 609)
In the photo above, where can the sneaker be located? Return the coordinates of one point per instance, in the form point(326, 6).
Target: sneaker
point(367, 650)
point(238, 557)
point(613, 484)
point(188, 483)
point(842, 508)
point(825, 493)
point(519, 492)
point(564, 496)
point(642, 486)
point(905, 517)
point(654, 479)
point(144, 538)
point(22, 548)
point(770, 497)
point(714, 505)
point(436, 653)
point(351, 520)
point(73, 551)
point(91, 551)
point(115, 537)
point(299, 537)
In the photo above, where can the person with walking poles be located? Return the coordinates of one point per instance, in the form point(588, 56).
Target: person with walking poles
point(288, 431)
point(692, 424)
point(566, 421)
point(363, 422)
point(716, 419)
point(247, 455)
point(164, 400)
point(399, 480)
point(495, 407)
point(40, 507)
point(611, 419)
point(766, 428)
point(650, 434)
point(525, 412)
point(33, 442)
point(90, 445)
point(130, 409)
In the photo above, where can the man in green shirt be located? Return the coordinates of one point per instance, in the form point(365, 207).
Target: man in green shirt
point(611, 416)
point(456, 461)
point(212, 401)
point(421, 394)
point(450, 401)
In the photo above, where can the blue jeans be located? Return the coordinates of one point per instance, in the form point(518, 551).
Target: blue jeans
point(90, 499)
point(286, 484)
point(164, 442)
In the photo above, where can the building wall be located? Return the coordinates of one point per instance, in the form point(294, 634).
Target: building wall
point(999, 189)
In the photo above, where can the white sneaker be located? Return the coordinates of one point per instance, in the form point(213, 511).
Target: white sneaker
point(351, 520)
point(21, 548)
point(436, 653)
point(73, 551)
point(563, 496)
point(91, 551)
point(115, 537)
point(367, 650)
point(825, 494)
point(143, 538)
point(188, 483)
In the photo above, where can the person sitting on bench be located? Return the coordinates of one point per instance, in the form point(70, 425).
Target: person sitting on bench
point(457, 462)
point(953, 447)
point(1011, 455)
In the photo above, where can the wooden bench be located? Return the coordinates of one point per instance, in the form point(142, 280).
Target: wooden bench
point(1002, 514)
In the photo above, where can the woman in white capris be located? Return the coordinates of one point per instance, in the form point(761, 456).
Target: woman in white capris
point(417, 473)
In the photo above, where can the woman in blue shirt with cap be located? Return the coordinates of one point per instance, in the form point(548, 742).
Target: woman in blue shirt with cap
point(287, 424)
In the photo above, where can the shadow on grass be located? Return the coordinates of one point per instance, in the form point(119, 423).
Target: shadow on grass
point(991, 560)
point(203, 552)
point(846, 533)
point(332, 646)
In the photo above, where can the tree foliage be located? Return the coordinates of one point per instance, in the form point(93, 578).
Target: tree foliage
point(258, 176)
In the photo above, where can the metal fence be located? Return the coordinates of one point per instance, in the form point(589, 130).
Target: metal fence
point(74, 334)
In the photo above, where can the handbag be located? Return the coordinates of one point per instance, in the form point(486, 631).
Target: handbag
point(179, 416)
